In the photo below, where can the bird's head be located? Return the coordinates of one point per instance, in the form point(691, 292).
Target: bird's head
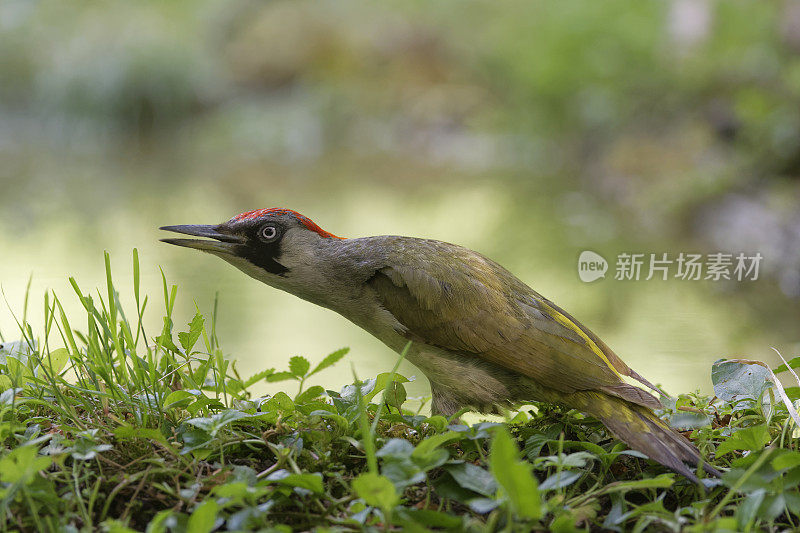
point(267, 244)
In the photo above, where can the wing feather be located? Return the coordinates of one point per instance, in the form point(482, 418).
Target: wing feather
point(474, 306)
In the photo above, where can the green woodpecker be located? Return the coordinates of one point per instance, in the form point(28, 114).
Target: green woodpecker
point(483, 338)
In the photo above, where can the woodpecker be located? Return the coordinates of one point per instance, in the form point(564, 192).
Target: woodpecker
point(483, 338)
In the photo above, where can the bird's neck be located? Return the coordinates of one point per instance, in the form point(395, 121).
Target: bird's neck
point(320, 272)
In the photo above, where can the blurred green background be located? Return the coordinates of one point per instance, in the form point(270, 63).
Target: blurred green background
point(527, 130)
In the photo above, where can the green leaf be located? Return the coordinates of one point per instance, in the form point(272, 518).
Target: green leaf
point(114, 526)
point(376, 490)
point(431, 519)
point(735, 381)
point(330, 360)
point(22, 464)
point(55, 361)
point(157, 524)
point(662, 481)
point(234, 490)
point(397, 464)
point(194, 439)
point(789, 459)
point(203, 518)
point(86, 448)
point(255, 378)
point(165, 339)
point(189, 339)
point(299, 366)
point(565, 523)
point(18, 371)
point(425, 450)
point(474, 478)
point(312, 482)
point(279, 402)
point(341, 422)
point(514, 476)
point(746, 511)
point(201, 401)
point(178, 398)
point(793, 363)
point(437, 422)
point(682, 420)
point(280, 376)
point(561, 479)
point(217, 421)
point(792, 502)
point(572, 460)
point(381, 381)
point(309, 394)
point(753, 438)
point(792, 392)
point(396, 448)
point(395, 395)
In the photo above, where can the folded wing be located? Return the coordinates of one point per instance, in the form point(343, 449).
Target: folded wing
point(458, 300)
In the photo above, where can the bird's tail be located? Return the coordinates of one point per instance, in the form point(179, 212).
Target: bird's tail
point(642, 430)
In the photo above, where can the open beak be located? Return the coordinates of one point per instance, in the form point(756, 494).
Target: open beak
point(222, 243)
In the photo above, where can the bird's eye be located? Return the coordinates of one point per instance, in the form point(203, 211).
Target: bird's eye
point(268, 233)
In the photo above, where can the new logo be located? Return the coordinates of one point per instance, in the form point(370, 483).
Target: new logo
point(591, 266)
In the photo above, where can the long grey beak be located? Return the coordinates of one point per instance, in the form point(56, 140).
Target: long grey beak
point(222, 243)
